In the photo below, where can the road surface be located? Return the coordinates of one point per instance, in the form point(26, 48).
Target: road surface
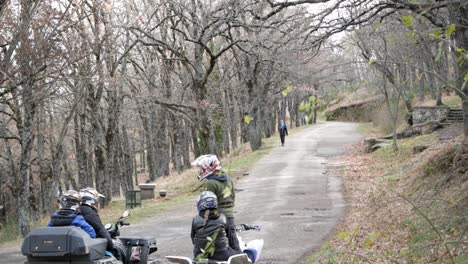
point(288, 193)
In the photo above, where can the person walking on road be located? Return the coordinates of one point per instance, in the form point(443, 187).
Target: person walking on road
point(218, 182)
point(283, 131)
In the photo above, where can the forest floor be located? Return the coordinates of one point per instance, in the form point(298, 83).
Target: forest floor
point(402, 207)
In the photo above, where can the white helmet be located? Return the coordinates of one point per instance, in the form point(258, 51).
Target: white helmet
point(70, 199)
point(90, 196)
point(207, 164)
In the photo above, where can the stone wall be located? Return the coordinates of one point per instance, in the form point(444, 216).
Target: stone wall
point(423, 114)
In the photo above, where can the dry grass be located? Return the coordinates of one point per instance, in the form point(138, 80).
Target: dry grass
point(370, 130)
point(449, 100)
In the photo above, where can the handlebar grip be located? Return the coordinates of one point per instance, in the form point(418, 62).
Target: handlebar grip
point(250, 227)
point(125, 224)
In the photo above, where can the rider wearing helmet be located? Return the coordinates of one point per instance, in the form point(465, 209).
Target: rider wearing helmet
point(89, 210)
point(210, 230)
point(69, 213)
point(221, 185)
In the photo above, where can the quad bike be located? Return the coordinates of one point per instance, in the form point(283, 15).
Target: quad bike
point(255, 245)
point(72, 245)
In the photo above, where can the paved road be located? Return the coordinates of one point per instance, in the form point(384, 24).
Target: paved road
point(288, 193)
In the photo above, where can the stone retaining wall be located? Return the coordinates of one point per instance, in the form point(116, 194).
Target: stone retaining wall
point(423, 114)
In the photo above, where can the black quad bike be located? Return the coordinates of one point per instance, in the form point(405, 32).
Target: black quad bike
point(72, 245)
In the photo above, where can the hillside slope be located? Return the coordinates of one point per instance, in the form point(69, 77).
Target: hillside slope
point(403, 207)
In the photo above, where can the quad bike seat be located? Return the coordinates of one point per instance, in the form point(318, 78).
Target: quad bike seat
point(235, 259)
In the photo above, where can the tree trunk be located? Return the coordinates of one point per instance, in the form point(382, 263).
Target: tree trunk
point(8, 189)
point(150, 149)
point(283, 108)
point(196, 150)
point(227, 123)
point(185, 147)
point(91, 162)
point(99, 147)
point(213, 137)
point(203, 132)
point(459, 16)
point(26, 141)
point(394, 131)
point(422, 84)
point(25, 119)
point(115, 150)
point(255, 138)
point(45, 175)
point(291, 109)
point(176, 145)
point(232, 121)
point(143, 159)
point(114, 99)
point(134, 162)
point(432, 84)
point(297, 116)
point(70, 180)
point(406, 89)
point(164, 147)
point(442, 70)
point(314, 120)
point(128, 155)
point(267, 118)
point(275, 115)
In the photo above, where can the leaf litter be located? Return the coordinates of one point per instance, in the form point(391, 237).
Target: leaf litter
point(391, 214)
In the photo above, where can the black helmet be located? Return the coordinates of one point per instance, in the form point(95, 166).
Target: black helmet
point(207, 200)
point(70, 200)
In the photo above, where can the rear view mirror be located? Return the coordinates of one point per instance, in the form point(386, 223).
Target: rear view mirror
point(125, 213)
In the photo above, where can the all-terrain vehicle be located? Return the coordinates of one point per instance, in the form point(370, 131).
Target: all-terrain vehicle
point(255, 246)
point(72, 245)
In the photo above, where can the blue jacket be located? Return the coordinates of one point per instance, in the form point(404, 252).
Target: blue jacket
point(283, 129)
point(69, 217)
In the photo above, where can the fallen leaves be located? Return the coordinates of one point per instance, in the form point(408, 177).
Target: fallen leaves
point(381, 226)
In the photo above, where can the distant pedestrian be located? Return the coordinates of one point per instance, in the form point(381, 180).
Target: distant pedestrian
point(283, 131)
